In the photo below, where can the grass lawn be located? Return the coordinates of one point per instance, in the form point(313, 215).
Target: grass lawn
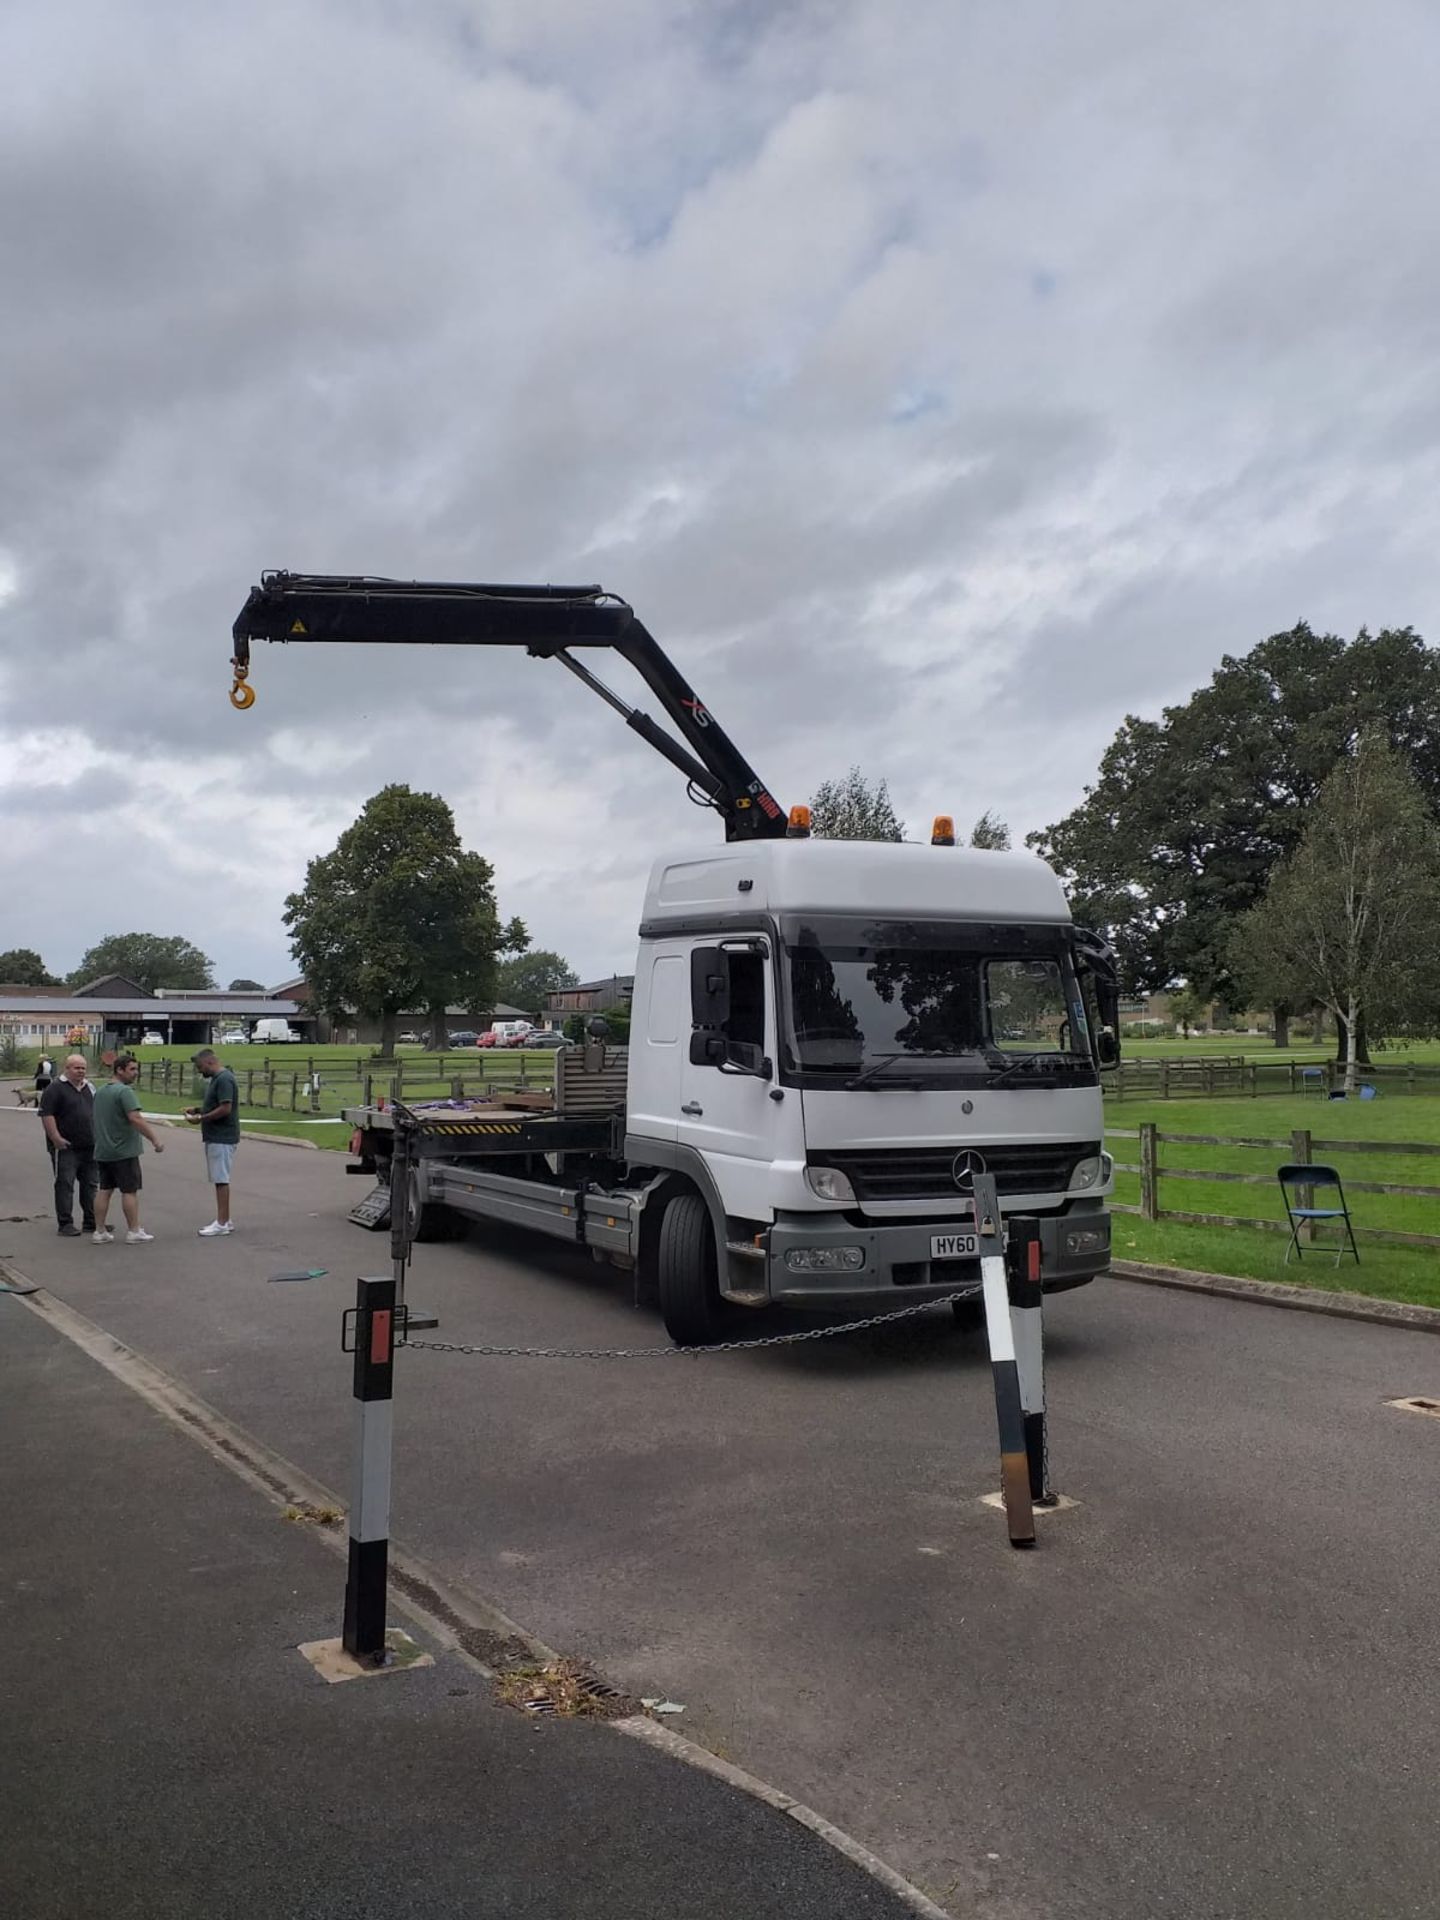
point(1395, 1273)
point(255, 1120)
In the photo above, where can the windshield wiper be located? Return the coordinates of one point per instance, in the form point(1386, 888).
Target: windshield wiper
point(1027, 1062)
point(877, 1066)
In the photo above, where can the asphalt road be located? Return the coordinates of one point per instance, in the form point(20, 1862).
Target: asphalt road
point(1210, 1692)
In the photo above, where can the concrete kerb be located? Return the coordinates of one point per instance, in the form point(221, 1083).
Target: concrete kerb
point(479, 1633)
point(1277, 1293)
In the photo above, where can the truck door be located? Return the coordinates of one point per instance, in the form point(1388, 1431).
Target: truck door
point(659, 1032)
point(725, 1109)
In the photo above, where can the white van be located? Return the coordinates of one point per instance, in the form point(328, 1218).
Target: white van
point(509, 1033)
point(271, 1032)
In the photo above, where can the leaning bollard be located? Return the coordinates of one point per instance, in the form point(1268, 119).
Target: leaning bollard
point(363, 1635)
point(1009, 1409)
point(1027, 1303)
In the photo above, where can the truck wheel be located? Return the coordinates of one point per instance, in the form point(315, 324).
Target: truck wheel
point(432, 1221)
point(690, 1303)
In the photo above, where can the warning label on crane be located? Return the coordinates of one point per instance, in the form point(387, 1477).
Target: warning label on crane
point(298, 626)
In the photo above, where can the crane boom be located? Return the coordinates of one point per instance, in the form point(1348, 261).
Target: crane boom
point(344, 609)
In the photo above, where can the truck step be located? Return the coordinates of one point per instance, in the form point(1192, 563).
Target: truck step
point(374, 1210)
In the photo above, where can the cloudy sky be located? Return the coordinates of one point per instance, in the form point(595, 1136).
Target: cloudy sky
point(939, 380)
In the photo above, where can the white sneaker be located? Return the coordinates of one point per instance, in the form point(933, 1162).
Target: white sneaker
point(101, 1235)
point(132, 1239)
point(215, 1229)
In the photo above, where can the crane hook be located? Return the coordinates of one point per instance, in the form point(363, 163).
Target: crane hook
point(241, 696)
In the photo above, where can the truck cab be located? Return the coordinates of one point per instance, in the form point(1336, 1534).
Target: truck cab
point(829, 1039)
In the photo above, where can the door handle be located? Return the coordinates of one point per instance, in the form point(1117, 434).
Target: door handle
point(692, 1106)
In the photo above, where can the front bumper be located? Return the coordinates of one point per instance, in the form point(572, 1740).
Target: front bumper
point(1075, 1246)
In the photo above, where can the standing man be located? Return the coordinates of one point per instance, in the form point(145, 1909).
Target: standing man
point(219, 1121)
point(121, 1131)
point(67, 1109)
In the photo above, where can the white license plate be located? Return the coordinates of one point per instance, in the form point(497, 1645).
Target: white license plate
point(954, 1246)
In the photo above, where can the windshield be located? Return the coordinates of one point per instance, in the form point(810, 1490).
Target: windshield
point(933, 1004)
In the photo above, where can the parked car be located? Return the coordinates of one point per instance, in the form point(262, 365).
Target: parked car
point(486, 1039)
point(465, 1037)
point(551, 1039)
point(272, 1032)
point(410, 1040)
point(152, 1039)
point(236, 1037)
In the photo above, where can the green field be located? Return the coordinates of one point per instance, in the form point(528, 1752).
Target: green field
point(1392, 1272)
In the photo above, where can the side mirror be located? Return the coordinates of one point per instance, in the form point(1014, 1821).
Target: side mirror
point(707, 1049)
point(1107, 1047)
point(743, 1056)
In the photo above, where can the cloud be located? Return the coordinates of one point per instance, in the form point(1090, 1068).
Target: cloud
point(936, 395)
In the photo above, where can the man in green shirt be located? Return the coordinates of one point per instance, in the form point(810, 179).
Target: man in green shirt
point(218, 1118)
point(121, 1131)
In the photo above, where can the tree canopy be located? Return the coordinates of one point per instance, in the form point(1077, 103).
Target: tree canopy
point(990, 831)
point(851, 809)
point(246, 986)
point(399, 916)
point(1351, 920)
point(151, 960)
point(23, 967)
point(524, 980)
point(1191, 813)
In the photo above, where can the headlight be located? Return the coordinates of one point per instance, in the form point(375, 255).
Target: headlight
point(1091, 1172)
point(825, 1259)
point(1087, 1240)
point(828, 1183)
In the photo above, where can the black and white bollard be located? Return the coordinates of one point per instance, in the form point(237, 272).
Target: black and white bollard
point(1027, 1302)
point(363, 1636)
point(1009, 1408)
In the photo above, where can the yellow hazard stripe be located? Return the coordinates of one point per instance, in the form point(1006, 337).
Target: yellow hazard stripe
point(472, 1126)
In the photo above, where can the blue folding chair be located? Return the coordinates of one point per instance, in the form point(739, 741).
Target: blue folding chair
point(1310, 1177)
point(1313, 1077)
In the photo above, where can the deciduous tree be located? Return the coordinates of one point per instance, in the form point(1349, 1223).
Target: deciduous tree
point(851, 809)
point(23, 967)
point(1351, 920)
point(399, 915)
point(525, 980)
point(1191, 813)
point(990, 831)
point(151, 960)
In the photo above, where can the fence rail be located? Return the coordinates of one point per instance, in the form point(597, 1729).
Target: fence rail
point(1299, 1147)
point(1235, 1074)
point(323, 1086)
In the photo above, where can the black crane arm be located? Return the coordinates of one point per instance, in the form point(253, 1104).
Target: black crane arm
point(548, 622)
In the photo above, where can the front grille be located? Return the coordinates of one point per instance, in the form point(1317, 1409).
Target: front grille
point(924, 1173)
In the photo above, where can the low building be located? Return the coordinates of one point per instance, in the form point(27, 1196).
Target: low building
point(591, 996)
point(116, 1012)
point(364, 1030)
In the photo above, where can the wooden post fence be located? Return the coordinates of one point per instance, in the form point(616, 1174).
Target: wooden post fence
point(1149, 1172)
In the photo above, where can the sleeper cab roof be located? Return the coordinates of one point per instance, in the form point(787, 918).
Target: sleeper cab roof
point(889, 879)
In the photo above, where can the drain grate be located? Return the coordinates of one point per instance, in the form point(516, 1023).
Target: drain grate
point(1417, 1403)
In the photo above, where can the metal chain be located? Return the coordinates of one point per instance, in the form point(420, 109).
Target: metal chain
point(661, 1353)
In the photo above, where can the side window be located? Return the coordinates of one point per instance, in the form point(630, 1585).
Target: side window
point(667, 998)
point(746, 1024)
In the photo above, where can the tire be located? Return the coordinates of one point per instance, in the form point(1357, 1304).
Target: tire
point(690, 1303)
point(432, 1221)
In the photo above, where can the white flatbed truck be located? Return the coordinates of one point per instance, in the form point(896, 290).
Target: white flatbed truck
point(829, 1039)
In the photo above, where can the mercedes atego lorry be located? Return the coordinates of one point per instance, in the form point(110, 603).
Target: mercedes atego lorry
point(829, 1039)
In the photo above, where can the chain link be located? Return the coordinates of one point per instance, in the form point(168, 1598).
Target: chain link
point(719, 1346)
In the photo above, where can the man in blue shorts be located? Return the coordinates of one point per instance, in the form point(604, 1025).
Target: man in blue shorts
point(218, 1118)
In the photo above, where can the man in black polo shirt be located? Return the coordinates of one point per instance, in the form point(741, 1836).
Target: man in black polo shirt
point(67, 1111)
